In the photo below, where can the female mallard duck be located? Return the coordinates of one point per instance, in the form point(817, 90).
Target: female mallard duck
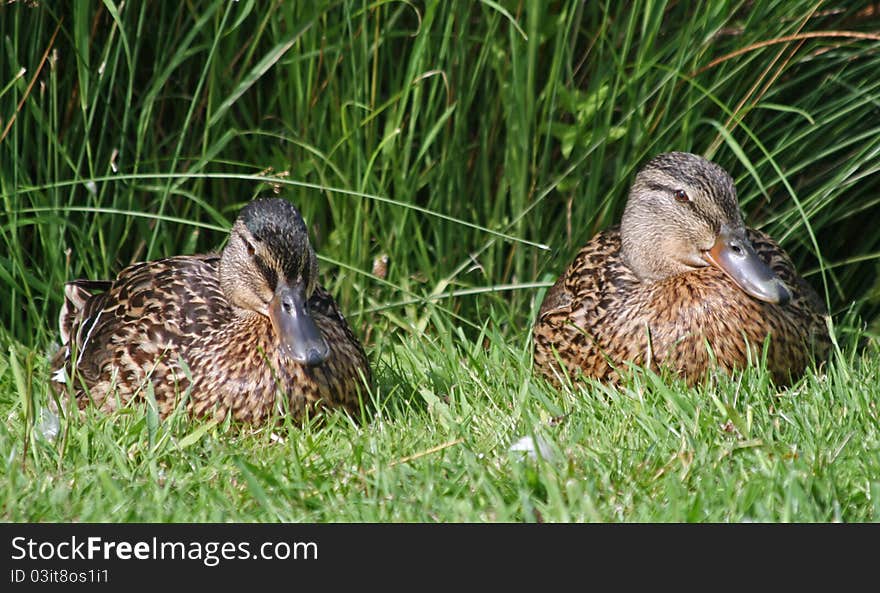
point(237, 333)
point(681, 273)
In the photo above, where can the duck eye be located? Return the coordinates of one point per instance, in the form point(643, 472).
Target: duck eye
point(250, 248)
point(680, 196)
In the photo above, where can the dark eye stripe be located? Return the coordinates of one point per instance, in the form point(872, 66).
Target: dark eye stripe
point(657, 187)
point(268, 272)
point(679, 194)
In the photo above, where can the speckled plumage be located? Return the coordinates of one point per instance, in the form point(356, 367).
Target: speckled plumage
point(600, 315)
point(171, 325)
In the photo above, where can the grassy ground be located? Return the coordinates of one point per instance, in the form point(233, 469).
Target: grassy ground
point(475, 146)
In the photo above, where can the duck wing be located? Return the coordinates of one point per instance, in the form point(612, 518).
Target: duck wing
point(101, 321)
point(349, 357)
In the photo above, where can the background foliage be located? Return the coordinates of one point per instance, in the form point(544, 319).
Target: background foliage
point(450, 158)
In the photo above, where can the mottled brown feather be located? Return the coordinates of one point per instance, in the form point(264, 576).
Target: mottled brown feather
point(167, 325)
point(600, 316)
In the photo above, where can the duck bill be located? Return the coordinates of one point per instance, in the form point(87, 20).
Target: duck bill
point(734, 255)
point(300, 338)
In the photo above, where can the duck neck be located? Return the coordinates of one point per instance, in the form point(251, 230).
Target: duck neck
point(245, 333)
point(645, 249)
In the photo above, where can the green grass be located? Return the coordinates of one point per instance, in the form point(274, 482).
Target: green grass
point(477, 145)
point(736, 451)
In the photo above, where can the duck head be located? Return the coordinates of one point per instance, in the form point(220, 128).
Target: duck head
point(269, 267)
point(682, 214)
